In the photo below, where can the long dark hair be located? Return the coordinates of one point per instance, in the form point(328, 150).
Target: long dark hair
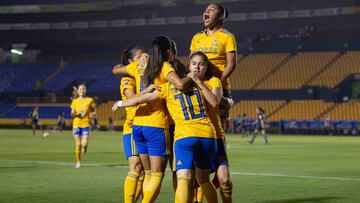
point(180, 69)
point(208, 74)
point(128, 54)
point(159, 53)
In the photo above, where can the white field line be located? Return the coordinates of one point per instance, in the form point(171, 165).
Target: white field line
point(232, 172)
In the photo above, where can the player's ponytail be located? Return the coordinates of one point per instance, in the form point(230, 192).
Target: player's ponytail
point(159, 53)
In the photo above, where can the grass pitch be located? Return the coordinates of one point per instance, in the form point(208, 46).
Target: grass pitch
point(291, 169)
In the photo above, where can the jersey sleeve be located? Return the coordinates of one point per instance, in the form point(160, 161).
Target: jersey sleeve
point(127, 83)
point(131, 68)
point(92, 104)
point(73, 104)
point(214, 82)
point(230, 44)
point(166, 69)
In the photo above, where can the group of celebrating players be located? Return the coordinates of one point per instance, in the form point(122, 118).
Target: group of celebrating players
point(173, 112)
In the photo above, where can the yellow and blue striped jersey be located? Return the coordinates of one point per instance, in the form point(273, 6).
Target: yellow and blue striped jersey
point(214, 112)
point(189, 112)
point(215, 47)
point(85, 105)
point(128, 83)
point(153, 114)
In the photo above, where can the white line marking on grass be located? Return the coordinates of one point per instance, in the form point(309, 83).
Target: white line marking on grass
point(294, 176)
point(233, 172)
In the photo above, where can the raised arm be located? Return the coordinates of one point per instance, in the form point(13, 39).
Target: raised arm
point(179, 83)
point(119, 69)
point(134, 101)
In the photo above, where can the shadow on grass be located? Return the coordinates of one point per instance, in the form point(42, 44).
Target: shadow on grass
point(303, 200)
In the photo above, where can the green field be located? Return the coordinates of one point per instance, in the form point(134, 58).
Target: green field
point(290, 169)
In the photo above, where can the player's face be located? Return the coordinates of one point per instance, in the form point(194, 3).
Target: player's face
point(82, 90)
point(211, 16)
point(137, 54)
point(197, 63)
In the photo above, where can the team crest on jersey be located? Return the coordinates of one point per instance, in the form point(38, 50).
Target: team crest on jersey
point(215, 42)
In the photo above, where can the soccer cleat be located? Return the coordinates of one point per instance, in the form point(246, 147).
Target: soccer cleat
point(77, 165)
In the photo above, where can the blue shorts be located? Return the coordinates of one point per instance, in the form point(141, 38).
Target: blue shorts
point(129, 146)
point(81, 131)
point(221, 155)
point(151, 140)
point(194, 152)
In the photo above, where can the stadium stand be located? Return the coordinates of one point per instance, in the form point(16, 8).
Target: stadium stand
point(347, 64)
point(251, 69)
point(297, 70)
point(249, 107)
point(22, 77)
point(346, 111)
point(302, 109)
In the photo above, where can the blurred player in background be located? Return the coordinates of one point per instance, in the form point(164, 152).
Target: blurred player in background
point(259, 125)
point(82, 110)
point(35, 122)
point(219, 45)
point(61, 122)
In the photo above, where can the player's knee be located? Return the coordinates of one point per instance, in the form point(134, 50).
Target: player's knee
point(202, 179)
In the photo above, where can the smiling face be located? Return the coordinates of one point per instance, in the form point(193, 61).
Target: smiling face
point(82, 90)
point(212, 16)
point(198, 63)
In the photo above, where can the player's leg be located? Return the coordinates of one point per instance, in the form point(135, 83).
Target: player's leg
point(158, 150)
point(77, 139)
point(223, 172)
point(184, 161)
point(206, 148)
point(263, 132)
point(254, 136)
point(85, 139)
point(135, 169)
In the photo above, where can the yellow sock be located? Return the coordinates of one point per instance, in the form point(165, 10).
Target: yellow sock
point(152, 189)
point(78, 153)
point(146, 178)
point(139, 187)
point(209, 192)
point(199, 194)
point(130, 187)
point(182, 194)
point(226, 192)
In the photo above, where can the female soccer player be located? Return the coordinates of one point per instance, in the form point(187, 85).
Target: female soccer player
point(34, 114)
point(82, 109)
point(219, 45)
point(150, 126)
point(195, 136)
point(259, 125)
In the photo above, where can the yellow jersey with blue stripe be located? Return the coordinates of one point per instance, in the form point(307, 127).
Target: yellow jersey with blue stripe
point(85, 105)
point(128, 83)
point(189, 112)
point(152, 114)
point(215, 47)
point(214, 112)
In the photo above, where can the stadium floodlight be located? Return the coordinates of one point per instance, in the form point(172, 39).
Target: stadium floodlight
point(14, 51)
